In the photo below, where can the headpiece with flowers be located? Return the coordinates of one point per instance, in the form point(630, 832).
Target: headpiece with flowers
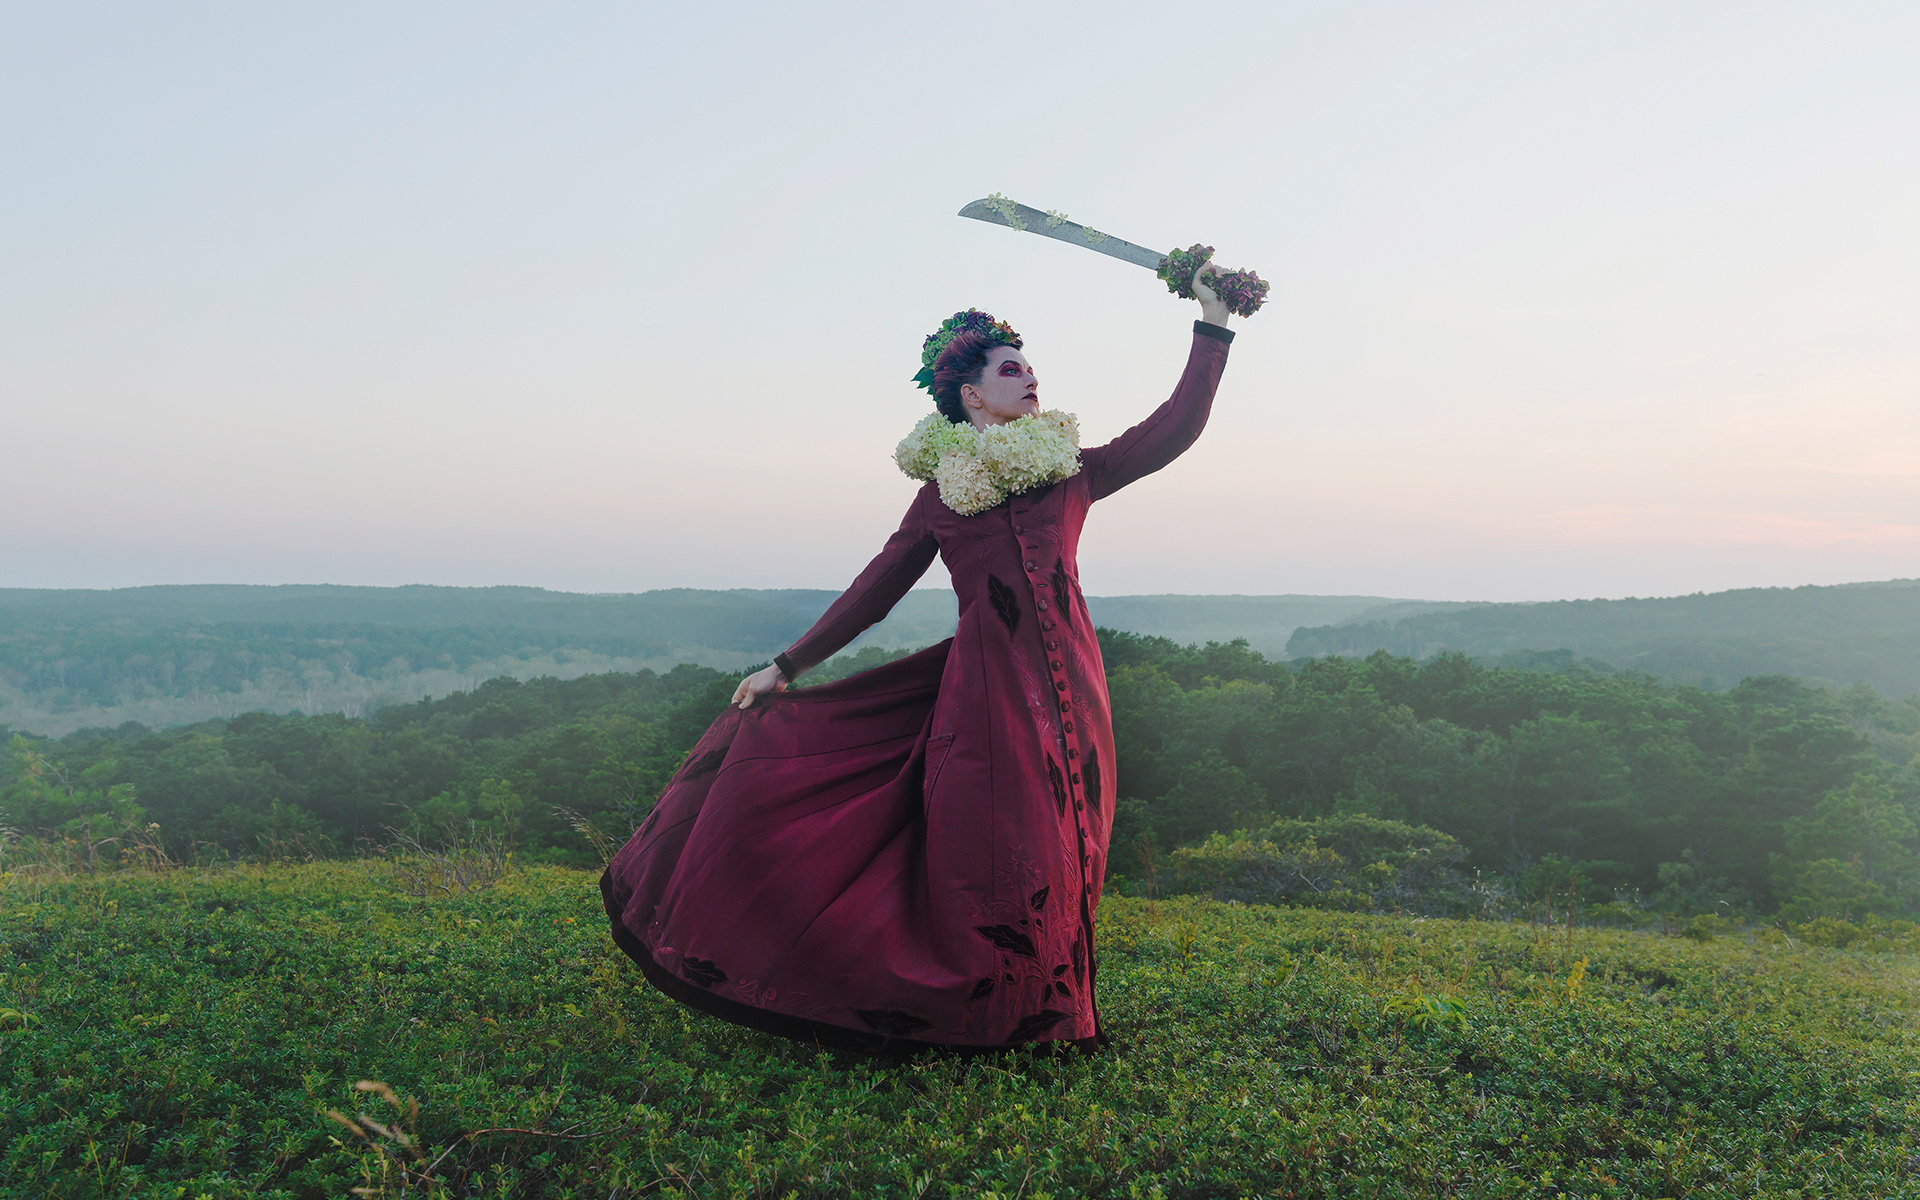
point(978, 468)
point(971, 321)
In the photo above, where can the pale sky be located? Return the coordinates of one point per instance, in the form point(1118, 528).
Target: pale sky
point(1585, 299)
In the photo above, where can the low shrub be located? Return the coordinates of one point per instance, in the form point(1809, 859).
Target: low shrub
point(1872, 934)
point(1348, 863)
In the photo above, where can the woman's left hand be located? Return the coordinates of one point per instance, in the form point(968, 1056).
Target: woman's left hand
point(1213, 310)
point(758, 684)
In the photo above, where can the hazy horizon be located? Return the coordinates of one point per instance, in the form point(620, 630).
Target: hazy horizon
point(942, 587)
point(1571, 301)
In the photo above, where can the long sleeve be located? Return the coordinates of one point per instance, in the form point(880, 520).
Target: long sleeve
point(893, 571)
point(1173, 427)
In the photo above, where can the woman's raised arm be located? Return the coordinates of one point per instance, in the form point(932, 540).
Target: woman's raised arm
point(1174, 426)
point(891, 574)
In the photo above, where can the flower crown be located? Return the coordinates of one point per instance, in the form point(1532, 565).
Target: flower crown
point(971, 321)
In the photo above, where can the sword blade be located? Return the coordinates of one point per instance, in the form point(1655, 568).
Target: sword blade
point(997, 211)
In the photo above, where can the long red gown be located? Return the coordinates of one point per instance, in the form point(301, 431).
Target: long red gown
point(912, 855)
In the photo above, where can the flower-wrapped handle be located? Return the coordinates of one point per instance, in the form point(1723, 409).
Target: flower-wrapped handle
point(1242, 291)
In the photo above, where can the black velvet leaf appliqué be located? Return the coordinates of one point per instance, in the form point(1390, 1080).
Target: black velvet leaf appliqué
point(1004, 602)
point(1038, 900)
point(1092, 775)
point(1006, 937)
point(982, 988)
point(710, 761)
point(1035, 1025)
point(1062, 593)
point(1059, 785)
point(891, 1021)
point(703, 971)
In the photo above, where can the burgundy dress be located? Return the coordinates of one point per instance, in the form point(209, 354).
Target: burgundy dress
point(912, 855)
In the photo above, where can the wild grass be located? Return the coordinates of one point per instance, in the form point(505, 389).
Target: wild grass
point(456, 863)
point(301, 1030)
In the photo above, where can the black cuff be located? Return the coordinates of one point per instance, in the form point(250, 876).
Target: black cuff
point(786, 666)
point(1219, 333)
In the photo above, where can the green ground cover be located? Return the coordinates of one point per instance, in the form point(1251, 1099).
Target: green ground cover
point(185, 1033)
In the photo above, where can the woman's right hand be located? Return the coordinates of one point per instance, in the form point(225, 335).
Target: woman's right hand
point(758, 684)
point(1213, 310)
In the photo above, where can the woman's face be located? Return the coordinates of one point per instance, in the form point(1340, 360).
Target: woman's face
point(1007, 389)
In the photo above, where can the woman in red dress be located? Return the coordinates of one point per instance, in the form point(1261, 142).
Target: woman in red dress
point(913, 856)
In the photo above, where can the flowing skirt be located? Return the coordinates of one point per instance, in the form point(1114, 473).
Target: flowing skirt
point(783, 881)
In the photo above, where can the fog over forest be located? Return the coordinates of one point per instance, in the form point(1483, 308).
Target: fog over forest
point(164, 656)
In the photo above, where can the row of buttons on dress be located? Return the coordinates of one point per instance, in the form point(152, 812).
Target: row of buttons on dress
point(1054, 665)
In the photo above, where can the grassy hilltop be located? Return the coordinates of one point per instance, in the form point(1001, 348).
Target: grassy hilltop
point(190, 1033)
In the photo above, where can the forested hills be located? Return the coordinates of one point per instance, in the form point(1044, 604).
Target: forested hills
point(1852, 633)
point(1346, 775)
point(174, 655)
point(162, 656)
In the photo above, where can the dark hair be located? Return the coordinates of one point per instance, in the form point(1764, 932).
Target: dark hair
point(963, 362)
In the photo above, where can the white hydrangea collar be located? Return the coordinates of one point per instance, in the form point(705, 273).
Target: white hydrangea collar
point(978, 468)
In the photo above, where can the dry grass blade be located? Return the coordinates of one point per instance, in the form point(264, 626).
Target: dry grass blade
point(604, 846)
point(462, 861)
point(398, 1164)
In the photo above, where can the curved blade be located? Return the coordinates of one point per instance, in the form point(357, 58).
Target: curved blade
point(995, 210)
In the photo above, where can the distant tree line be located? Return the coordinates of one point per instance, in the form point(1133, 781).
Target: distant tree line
point(1855, 633)
point(1344, 782)
point(174, 655)
point(60, 667)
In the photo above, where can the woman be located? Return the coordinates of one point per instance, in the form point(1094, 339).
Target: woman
point(913, 856)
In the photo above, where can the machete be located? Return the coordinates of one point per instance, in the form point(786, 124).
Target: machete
point(998, 210)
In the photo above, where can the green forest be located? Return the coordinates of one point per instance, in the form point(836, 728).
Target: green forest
point(1445, 785)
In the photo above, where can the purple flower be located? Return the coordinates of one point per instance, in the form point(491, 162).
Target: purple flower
point(1243, 292)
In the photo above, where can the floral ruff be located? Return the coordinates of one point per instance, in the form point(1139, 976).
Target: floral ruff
point(978, 468)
